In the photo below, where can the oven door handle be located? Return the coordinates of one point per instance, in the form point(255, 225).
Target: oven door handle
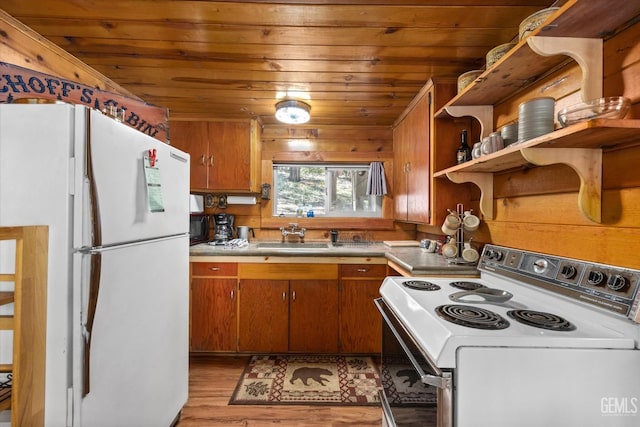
point(441, 381)
point(386, 410)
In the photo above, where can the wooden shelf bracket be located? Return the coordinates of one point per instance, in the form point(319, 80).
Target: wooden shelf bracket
point(483, 113)
point(484, 181)
point(587, 163)
point(586, 52)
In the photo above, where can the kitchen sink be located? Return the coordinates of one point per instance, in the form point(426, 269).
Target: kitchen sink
point(292, 246)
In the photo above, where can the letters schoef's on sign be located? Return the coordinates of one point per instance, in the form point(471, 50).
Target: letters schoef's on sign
point(18, 83)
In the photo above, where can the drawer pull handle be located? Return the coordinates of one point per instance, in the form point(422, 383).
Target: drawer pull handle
point(215, 268)
point(232, 294)
point(363, 270)
point(293, 295)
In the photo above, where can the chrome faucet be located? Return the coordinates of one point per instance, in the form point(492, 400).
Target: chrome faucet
point(295, 231)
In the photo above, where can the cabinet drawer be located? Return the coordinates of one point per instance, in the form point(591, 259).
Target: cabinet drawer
point(363, 270)
point(214, 269)
point(288, 271)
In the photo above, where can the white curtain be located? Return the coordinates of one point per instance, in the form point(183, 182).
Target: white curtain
point(377, 184)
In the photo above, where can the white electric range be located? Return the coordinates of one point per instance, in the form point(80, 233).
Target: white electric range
point(536, 340)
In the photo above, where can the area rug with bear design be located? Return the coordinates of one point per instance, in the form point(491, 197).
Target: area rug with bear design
point(308, 380)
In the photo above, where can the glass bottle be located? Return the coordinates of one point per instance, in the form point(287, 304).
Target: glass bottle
point(464, 151)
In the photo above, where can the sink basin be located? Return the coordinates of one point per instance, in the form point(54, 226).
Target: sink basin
point(292, 246)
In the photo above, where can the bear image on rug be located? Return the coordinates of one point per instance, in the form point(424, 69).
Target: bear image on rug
point(309, 380)
point(306, 373)
point(403, 387)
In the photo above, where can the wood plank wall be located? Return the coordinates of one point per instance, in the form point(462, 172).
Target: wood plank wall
point(334, 144)
point(20, 45)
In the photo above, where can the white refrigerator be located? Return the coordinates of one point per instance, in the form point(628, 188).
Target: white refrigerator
point(117, 205)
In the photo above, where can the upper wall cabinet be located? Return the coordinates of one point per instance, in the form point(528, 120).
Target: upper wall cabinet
point(575, 32)
point(411, 162)
point(418, 198)
point(225, 156)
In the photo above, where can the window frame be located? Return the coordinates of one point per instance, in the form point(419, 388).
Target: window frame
point(377, 212)
point(268, 221)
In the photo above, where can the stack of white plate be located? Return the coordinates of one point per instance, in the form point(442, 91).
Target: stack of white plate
point(535, 118)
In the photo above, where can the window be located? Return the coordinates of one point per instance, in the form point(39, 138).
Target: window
point(327, 190)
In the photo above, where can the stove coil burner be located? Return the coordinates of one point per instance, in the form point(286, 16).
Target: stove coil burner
point(472, 317)
point(539, 319)
point(421, 285)
point(467, 286)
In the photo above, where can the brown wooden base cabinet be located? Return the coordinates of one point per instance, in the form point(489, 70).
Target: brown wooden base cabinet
point(214, 317)
point(360, 323)
point(288, 308)
point(313, 316)
point(280, 308)
point(294, 316)
point(264, 315)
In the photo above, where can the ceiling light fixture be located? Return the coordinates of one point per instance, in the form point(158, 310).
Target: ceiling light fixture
point(293, 112)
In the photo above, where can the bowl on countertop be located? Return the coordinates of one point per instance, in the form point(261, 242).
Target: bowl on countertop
point(614, 107)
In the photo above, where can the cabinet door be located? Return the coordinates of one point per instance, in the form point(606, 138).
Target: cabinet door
point(400, 170)
point(411, 163)
point(313, 323)
point(419, 178)
point(263, 315)
point(231, 151)
point(193, 137)
point(213, 314)
point(360, 321)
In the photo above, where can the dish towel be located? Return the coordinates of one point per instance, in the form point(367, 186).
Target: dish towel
point(377, 184)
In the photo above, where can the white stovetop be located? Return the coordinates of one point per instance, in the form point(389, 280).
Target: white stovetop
point(595, 328)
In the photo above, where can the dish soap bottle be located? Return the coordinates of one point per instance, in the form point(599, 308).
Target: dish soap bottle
point(464, 151)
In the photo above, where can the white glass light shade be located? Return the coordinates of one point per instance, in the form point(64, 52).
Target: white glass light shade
point(293, 112)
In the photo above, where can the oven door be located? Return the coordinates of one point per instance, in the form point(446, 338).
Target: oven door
point(415, 392)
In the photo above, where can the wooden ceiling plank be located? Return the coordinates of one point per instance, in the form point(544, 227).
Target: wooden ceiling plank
point(161, 49)
point(281, 35)
point(467, 14)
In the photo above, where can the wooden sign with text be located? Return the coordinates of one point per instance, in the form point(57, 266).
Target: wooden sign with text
point(19, 83)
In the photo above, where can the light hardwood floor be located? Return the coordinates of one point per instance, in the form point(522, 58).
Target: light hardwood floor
point(212, 380)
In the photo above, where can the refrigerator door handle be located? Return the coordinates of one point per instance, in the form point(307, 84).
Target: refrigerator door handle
point(100, 249)
point(94, 288)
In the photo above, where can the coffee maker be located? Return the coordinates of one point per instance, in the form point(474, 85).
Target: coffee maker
point(222, 228)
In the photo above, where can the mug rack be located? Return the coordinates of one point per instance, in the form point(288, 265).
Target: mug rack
point(460, 237)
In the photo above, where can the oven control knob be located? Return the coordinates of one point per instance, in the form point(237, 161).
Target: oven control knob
point(568, 272)
point(495, 255)
point(540, 266)
point(596, 278)
point(616, 282)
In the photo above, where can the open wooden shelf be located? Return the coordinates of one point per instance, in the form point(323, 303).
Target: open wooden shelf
point(596, 133)
point(575, 32)
point(523, 65)
point(579, 146)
